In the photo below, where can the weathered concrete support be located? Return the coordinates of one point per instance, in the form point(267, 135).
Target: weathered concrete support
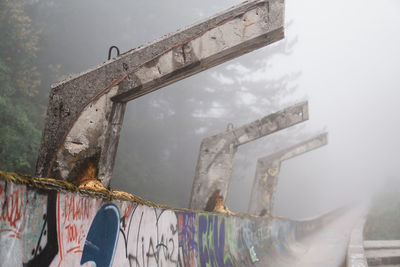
point(85, 111)
point(267, 171)
point(214, 166)
point(89, 146)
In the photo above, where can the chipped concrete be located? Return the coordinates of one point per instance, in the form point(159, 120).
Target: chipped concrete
point(76, 145)
point(240, 32)
point(215, 162)
point(87, 136)
point(227, 35)
point(267, 170)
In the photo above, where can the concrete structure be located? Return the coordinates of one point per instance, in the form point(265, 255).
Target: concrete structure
point(85, 112)
point(110, 229)
point(382, 252)
point(267, 172)
point(363, 253)
point(355, 251)
point(215, 162)
point(51, 222)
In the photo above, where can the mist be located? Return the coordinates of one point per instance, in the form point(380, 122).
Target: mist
point(341, 56)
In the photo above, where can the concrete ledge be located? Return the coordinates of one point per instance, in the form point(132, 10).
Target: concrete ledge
point(382, 244)
point(382, 256)
point(355, 251)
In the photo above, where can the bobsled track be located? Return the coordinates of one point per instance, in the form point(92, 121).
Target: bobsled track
point(44, 222)
point(71, 219)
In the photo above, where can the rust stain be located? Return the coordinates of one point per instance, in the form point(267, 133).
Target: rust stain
point(212, 201)
point(88, 174)
point(88, 179)
point(216, 203)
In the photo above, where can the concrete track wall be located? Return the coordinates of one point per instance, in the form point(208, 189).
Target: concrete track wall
point(43, 227)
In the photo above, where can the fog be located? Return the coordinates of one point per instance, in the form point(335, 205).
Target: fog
point(340, 55)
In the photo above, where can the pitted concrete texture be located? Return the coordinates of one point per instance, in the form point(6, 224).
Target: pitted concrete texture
point(227, 35)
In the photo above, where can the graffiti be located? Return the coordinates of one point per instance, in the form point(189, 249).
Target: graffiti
point(102, 238)
point(11, 205)
point(253, 254)
point(151, 240)
point(253, 239)
point(211, 238)
point(66, 229)
point(75, 208)
point(47, 245)
point(73, 216)
point(187, 239)
point(73, 212)
point(34, 226)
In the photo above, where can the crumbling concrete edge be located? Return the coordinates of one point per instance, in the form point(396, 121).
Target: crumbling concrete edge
point(355, 251)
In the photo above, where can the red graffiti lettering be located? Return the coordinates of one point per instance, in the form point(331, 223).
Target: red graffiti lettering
point(76, 208)
point(11, 206)
point(74, 234)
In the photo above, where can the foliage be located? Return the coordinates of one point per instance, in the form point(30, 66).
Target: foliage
point(20, 116)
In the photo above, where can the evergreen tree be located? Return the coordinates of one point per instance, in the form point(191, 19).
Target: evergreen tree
point(20, 116)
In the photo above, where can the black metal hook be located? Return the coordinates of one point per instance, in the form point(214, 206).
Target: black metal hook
point(110, 50)
point(229, 127)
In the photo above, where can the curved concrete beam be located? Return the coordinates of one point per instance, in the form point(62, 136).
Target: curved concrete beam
point(215, 162)
point(85, 112)
point(267, 171)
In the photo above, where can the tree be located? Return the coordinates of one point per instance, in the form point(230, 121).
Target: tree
point(20, 116)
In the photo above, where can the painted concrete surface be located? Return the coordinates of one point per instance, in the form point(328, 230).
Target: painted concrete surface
point(51, 228)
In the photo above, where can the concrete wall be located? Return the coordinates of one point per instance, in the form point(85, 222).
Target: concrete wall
point(355, 251)
point(42, 227)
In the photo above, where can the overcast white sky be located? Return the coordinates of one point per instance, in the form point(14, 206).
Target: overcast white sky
point(348, 56)
point(348, 52)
